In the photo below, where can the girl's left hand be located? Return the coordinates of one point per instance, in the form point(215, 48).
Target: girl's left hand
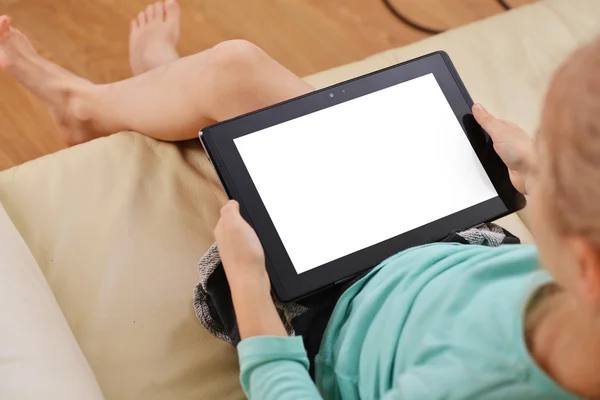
point(513, 146)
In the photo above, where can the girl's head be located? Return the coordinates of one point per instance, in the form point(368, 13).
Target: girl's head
point(565, 214)
point(565, 202)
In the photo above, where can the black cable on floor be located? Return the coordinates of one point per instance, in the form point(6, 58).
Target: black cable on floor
point(504, 4)
point(415, 25)
point(408, 21)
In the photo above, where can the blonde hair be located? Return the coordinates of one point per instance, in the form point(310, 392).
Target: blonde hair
point(571, 133)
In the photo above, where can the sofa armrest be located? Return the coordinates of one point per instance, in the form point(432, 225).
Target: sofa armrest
point(39, 357)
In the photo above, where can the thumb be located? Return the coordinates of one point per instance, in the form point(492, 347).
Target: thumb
point(232, 207)
point(230, 212)
point(487, 120)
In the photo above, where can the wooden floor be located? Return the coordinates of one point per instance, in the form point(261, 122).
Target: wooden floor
point(89, 37)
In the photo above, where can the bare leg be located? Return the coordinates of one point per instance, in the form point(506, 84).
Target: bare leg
point(171, 102)
point(174, 101)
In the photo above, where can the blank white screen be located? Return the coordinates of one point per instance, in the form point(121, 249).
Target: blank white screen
point(353, 175)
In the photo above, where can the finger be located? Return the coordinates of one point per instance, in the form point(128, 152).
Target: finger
point(482, 115)
point(487, 120)
point(232, 207)
point(221, 228)
point(230, 214)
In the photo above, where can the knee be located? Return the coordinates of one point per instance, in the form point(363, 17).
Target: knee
point(237, 54)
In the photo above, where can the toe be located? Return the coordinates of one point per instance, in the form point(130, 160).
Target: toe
point(133, 26)
point(141, 19)
point(159, 10)
point(150, 16)
point(172, 9)
point(4, 24)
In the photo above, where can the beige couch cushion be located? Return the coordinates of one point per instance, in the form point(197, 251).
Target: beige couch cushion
point(117, 227)
point(118, 224)
point(39, 356)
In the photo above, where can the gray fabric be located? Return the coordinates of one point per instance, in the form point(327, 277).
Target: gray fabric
point(207, 265)
point(486, 235)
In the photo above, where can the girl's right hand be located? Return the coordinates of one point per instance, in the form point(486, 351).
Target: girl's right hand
point(512, 144)
point(240, 250)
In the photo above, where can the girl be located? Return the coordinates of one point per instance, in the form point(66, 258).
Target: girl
point(438, 321)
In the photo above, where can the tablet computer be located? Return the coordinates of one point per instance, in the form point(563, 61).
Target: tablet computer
point(337, 180)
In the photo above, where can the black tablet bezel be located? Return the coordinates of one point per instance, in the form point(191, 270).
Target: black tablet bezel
point(286, 283)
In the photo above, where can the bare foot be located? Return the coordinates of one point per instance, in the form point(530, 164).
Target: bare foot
point(58, 88)
point(154, 35)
